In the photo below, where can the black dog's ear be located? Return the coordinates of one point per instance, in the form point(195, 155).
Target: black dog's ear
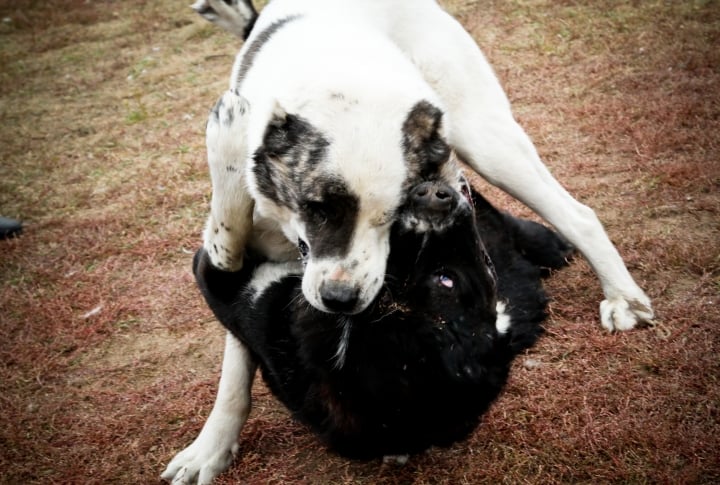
point(423, 144)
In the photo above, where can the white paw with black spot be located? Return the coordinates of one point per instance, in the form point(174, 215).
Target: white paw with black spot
point(624, 313)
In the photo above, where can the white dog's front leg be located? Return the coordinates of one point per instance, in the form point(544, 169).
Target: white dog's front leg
point(230, 222)
point(485, 134)
point(215, 447)
point(504, 155)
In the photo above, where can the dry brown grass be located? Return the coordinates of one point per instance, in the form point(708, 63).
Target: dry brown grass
point(109, 359)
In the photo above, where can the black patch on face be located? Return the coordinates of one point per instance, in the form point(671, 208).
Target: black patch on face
point(260, 40)
point(291, 151)
point(330, 214)
point(424, 149)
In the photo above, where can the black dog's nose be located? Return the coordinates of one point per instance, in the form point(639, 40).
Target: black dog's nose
point(437, 197)
point(338, 296)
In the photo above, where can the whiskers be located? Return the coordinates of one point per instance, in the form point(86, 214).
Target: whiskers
point(425, 238)
point(345, 324)
point(387, 296)
point(298, 301)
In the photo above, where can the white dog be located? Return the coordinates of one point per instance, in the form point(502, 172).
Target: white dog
point(335, 109)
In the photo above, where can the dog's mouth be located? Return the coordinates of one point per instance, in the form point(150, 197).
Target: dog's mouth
point(465, 191)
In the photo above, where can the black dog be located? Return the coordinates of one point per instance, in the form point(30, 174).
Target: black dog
point(462, 297)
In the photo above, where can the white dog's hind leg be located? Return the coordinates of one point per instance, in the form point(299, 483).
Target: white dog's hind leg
point(215, 447)
point(485, 134)
point(230, 222)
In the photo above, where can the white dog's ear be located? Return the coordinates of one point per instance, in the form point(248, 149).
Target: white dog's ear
point(291, 136)
point(289, 146)
point(423, 137)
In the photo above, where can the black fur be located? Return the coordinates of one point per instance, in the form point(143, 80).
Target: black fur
point(424, 149)
point(330, 214)
point(425, 360)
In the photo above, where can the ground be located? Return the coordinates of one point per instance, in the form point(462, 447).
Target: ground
point(110, 358)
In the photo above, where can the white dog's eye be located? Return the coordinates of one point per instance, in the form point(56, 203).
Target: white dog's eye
point(303, 248)
point(445, 281)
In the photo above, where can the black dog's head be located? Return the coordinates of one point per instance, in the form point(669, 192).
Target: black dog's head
point(438, 265)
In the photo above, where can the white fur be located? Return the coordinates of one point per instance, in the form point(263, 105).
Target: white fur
point(214, 449)
point(231, 203)
point(399, 460)
point(268, 273)
point(503, 321)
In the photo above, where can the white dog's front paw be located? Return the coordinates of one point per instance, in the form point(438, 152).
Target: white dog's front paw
point(623, 313)
point(200, 462)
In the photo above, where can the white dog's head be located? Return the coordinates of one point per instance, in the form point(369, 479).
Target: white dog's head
point(335, 184)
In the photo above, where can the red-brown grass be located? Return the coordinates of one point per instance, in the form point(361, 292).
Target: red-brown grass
point(110, 360)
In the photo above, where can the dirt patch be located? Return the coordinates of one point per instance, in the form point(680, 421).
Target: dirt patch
point(110, 359)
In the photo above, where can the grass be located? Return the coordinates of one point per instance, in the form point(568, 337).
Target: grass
point(110, 359)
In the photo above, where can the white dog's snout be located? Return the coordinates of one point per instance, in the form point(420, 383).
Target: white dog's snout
point(339, 296)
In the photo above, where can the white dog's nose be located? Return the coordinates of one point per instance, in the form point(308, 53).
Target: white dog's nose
point(339, 296)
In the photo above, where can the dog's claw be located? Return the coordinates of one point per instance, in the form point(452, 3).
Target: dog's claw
point(399, 460)
point(624, 314)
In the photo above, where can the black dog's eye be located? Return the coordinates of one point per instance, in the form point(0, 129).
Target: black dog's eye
point(444, 280)
point(303, 248)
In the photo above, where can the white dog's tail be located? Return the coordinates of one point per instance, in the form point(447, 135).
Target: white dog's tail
point(235, 16)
